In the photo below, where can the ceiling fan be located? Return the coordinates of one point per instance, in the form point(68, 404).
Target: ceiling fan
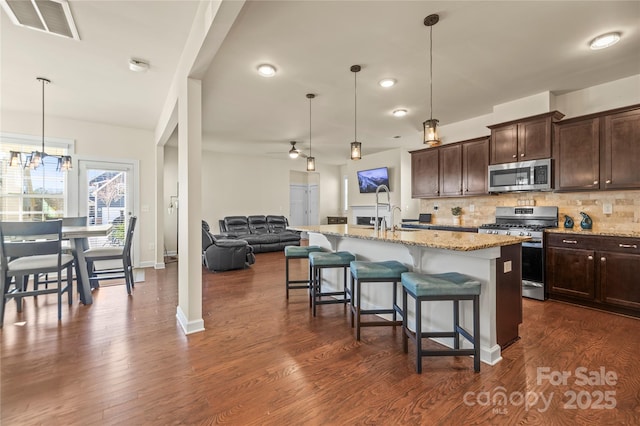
point(295, 152)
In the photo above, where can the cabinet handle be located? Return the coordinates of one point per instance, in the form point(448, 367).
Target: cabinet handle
point(595, 182)
point(603, 259)
point(608, 181)
point(590, 257)
point(627, 246)
point(570, 241)
point(513, 156)
point(521, 155)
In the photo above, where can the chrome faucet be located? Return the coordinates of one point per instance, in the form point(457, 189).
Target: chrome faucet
point(393, 225)
point(376, 225)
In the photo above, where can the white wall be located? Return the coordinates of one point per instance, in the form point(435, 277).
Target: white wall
point(99, 140)
point(245, 185)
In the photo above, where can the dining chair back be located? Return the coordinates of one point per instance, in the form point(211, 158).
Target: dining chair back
point(66, 248)
point(123, 253)
point(32, 248)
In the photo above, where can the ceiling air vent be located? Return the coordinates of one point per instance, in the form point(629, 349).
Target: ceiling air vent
point(50, 16)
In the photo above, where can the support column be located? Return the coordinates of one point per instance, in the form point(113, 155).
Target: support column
point(189, 311)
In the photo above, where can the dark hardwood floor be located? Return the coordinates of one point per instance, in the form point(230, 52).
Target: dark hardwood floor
point(265, 360)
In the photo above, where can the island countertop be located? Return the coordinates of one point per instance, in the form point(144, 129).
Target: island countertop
point(448, 240)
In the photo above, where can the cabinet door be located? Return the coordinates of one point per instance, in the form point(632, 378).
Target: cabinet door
point(619, 274)
point(475, 163)
point(451, 170)
point(577, 155)
point(504, 144)
point(621, 153)
point(424, 173)
point(570, 272)
point(534, 139)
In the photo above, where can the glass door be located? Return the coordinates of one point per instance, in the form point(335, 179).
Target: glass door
point(105, 196)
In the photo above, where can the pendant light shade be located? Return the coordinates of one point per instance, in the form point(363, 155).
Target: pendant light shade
point(311, 160)
point(356, 147)
point(15, 159)
point(431, 125)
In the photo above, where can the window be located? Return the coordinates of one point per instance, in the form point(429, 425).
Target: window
point(31, 194)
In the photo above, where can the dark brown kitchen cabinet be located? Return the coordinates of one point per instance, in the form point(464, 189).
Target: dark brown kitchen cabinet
point(577, 155)
point(621, 150)
point(450, 163)
point(451, 170)
point(524, 139)
point(425, 173)
point(598, 151)
point(596, 271)
point(475, 161)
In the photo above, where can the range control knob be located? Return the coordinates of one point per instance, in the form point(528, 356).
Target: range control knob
point(522, 234)
point(508, 233)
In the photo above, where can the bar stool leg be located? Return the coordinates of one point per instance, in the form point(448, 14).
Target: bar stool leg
point(476, 333)
point(418, 335)
point(286, 275)
point(395, 300)
point(456, 325)
point(358, 303)
point(405, 329)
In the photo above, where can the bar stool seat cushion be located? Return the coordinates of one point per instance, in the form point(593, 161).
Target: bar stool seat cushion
point(338, 258)
point(300, 252)
point(447, 284)
point(362, 270)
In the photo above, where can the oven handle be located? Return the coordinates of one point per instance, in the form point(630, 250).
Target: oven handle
point(533, 244)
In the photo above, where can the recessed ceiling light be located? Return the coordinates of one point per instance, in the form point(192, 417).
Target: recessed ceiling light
point(387, 82)
point(266, 70)
point(399, 113)
point(605, 40)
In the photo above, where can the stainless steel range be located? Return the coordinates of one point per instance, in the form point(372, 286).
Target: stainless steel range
point(531, 222)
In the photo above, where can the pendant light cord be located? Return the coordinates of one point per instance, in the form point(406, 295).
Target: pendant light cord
point(42, 115)
point(310, 154)
point(355, 106)
point(431, 72)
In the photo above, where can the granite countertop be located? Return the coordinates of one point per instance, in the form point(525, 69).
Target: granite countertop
point(631, 230)
point(449, 240)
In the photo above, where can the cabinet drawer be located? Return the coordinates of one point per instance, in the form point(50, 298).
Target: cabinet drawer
point(620, 244)
point(571, 241)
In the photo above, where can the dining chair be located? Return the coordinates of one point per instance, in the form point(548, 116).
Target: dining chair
point(32, 248)
point(123, 253)
point(66, 248)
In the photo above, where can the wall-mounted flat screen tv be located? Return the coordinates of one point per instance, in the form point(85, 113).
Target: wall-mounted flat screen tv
point(369, 180)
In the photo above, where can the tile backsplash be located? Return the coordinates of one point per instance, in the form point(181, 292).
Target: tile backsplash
point(625, 206)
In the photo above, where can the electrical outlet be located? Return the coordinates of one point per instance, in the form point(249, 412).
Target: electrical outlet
point(472, 208)
point(435, 207)
point(507, 266)
point(607, 208)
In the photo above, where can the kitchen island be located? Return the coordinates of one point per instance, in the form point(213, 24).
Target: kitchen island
point(494, 260)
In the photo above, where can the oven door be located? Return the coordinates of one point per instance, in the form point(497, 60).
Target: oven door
point(533, 270)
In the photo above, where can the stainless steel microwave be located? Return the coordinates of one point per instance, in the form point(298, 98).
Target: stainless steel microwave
point(532, 175)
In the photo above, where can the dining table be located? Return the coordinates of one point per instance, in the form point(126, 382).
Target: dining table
point(78, 237)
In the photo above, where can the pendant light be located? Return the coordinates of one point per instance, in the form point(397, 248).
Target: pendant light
point(35, 159)
point(311, 160)
point(356, 147)
point(431, 125)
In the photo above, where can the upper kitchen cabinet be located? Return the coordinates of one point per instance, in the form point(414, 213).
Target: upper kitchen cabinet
point(598, 151)
point(425, 173)
point(475, 161)
point(451, 170)
point(577, 154)
point(621, 150)
point(524, 139)
point(450, 159)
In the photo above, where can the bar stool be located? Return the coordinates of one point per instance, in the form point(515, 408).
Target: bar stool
point(322, 260)
point(298, 252)
point(448, 286)
point(374, 272)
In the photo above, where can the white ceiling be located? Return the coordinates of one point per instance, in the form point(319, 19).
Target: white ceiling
point(484, 54)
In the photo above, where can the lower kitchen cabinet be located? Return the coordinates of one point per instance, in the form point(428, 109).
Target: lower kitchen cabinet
point(596, 271)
